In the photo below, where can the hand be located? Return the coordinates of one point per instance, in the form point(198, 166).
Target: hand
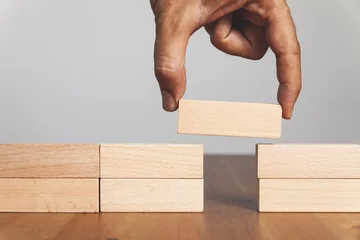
point(244, 28)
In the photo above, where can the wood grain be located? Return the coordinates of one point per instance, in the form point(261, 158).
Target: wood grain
point(49, 161)
point(49, 195)
point(336, 161)
point(151, 161)
point(151, 195)
point(309, 195)
point(229, 119)
point(152, 226)
point(25, 226)
point(229, 213)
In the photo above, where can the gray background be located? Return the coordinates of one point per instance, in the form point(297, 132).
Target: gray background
point(82, 72)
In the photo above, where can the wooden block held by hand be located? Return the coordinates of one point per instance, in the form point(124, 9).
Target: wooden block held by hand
point(151, 161)
point(151, 195)
point(309, 195)
point(49, 195)
point(308, 161)
point(49, 160)
point(229, 119)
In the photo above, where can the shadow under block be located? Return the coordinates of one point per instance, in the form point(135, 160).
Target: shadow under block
point(336, 161)
point(152, 195)
point(309, 195)
point(49, 161)
point(254, 120)
point(49, 195)
point(151, 161)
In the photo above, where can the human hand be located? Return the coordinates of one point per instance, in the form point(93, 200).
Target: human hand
point(244, 28)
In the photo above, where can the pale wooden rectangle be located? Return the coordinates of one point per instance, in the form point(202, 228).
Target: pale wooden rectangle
point(49, 195)
point(309, 195)
point(151, 161)
point(49, 161)
point(308, 160)
point(255, 120)
point(152, 195)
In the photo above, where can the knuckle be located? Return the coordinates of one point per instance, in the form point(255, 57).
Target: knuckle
point(259, 54)
point(163, 73)
point(218, 39)
point(166, 70)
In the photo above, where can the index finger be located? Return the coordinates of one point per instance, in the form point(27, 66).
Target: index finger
point(282, 39)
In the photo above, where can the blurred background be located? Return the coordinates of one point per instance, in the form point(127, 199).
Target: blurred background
point(82, 72)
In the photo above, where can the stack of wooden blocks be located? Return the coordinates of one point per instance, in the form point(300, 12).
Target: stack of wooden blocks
point(151, 178)
point(101, 178)
point(309, 177)
point(169, 177)
point(49, 178)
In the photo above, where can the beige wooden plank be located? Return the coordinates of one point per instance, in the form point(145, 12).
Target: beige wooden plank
point(309, 195)
point(49, 195)
point(229, 119)
point(49, 161)
point(151, 195)
point(308, 161)
point(151, 161)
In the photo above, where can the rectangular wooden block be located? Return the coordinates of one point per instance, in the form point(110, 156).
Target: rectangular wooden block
point(308, 160)
point(151, 195)
point(309, 195)
point(229, 119)
point(49, 161)
point(49, 195)
point(151, 161)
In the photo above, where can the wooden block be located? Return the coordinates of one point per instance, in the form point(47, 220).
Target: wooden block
point(49, 161)
point(49, 195)
point(308, 160)
point(151, 195)
point(229, 119)
point(309, 195)
point(151, 161)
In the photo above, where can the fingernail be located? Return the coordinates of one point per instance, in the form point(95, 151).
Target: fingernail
point(168, 101)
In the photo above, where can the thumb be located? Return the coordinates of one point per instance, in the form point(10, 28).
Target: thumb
point(169, 61)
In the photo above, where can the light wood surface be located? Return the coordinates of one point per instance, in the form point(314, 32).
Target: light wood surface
point(151, 161)
point(229, 119)
point(152, 195)
point(229, 213)
point(336, 161)
point(309, 195)
point(49, 160)
point(49, 195)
